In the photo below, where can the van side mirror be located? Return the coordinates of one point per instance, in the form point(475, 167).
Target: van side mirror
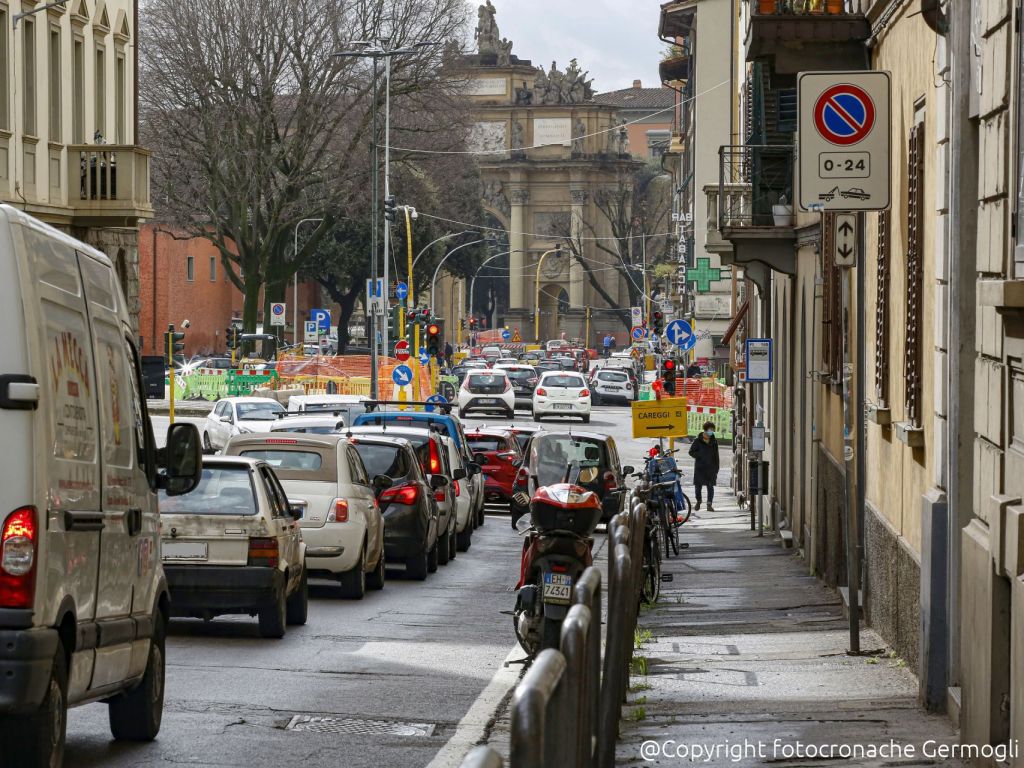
point(437, 482)
point(459, 474)
point(381, 483)
point(473, 469)
point(183, 460)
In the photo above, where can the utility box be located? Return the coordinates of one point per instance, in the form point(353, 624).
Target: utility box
point(153, 376)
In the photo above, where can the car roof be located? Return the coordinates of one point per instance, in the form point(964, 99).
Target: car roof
point(569, 372)
point(340, 399)
point(250, 400)
point(579, 433)
point(489, 432)
point(312, 419)
point(378, 439)
point(230, 461)
point(293, 438)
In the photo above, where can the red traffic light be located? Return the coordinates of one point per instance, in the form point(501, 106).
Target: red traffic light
point(670, 365)
point(658, 315)
point(433, 330)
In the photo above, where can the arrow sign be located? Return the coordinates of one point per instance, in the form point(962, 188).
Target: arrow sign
point(401, 291)
point(402, 375)
point(680, 333)
point(439, 399)
point(845, 240)
point(506, 334)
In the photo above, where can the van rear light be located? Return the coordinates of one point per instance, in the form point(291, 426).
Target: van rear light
point(19, 539)
point(401, 494)
point(435, 459)
point(263, 552)
point(339, 511)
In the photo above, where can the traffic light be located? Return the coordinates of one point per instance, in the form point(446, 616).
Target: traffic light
point(394, 328)
point(472, 323)
point(173, 344)
point(433, 339)
point(668, 375)
point(231, 333)
point(390, 208)
point(657, 323)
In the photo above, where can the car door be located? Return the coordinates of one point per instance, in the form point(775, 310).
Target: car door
point(214, 427)
point(285, 528)
point(363, 494)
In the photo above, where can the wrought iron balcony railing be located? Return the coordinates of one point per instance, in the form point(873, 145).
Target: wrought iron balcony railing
point(755, 182)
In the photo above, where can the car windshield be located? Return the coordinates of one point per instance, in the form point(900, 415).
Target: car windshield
point(485, 443)
point(287, 459)
point(563, 381)
point(221, 491)
point(553, 456)
point(259, 411)
point(388, 460)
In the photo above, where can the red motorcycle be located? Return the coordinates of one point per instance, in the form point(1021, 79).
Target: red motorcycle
point(557, 549)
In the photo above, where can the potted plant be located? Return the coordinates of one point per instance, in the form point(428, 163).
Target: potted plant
point(782, 213)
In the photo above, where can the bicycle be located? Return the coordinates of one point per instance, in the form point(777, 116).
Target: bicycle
point(672, 506)
point(653, 536)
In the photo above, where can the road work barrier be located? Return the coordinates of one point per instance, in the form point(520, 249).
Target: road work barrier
point(566, 710)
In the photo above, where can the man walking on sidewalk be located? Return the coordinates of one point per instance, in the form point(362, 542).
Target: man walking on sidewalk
point(704, 451)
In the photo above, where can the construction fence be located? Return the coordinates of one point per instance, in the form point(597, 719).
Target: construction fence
point(707, 399)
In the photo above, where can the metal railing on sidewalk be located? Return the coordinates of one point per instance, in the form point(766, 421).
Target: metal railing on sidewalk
point(566, 710)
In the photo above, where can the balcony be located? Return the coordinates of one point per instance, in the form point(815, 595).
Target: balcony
point(108, 181)
point(752, 207)
point(808, 34)
point(675, 68)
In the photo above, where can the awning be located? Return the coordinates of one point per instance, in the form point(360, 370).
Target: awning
point(735, 322)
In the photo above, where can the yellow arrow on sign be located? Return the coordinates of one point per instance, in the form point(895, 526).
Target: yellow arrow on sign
point(660, 418)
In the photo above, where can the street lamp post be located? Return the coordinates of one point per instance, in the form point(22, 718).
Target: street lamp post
point(432, 243)
point(433, 282)
point(536, 297)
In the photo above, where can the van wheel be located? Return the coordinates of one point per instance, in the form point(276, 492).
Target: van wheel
point(353, 582)
point(464, 539)
point(273, 617)
point(37, 741)
point(136, 716)
point(298, 603)
point(443, 546)
point(375, 580)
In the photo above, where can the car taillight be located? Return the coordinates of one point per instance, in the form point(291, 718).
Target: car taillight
point(542, 392)
point(508, 385)
point(18, 542)
point(584, 393)
point(439, 495)
point(339, 511)
point(522, 477)
point(401, 494)
point(609, 481)
point(263, 551)
point(458, 488)
point(435, 459)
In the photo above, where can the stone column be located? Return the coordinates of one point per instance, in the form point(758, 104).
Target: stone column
point(577, 275)
point(517, 242)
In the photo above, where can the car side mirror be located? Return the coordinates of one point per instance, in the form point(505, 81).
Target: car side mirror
point(381, 483)
point(296, 511)
point(480, 459)
point(628, 469)
point(459, 474)
point(437, 482)
point(226, 420)
point(473, 469)
point(183, 460)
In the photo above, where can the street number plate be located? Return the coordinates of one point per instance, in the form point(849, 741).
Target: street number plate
point(557, 588)
point(184, 550)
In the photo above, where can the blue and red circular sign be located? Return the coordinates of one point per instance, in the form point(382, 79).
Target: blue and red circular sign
point(844, 114)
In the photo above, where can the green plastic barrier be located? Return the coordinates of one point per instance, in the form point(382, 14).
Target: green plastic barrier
point(722, 419)
point(239, 384)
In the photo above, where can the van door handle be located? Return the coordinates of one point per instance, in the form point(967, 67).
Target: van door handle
point(133, 519)
point(83, 521)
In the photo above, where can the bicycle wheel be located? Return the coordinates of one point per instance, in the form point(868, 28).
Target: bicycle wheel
point(672, 533)
point(686, 511)
point(652, 571)
point(665, 513)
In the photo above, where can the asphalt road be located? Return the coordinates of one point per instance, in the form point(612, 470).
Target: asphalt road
point(396, 671)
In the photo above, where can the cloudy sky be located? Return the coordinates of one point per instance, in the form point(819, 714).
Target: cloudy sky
point(617, 40)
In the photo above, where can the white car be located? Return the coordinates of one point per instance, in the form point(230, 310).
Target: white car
point(610, 385)
point(326, 403)
point(561, 393)
point(233, 546)
point(490, 391)
point(239, 416)
point(341, 521)
point(462, 487)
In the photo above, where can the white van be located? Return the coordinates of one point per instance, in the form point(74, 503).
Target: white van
point(83, 600)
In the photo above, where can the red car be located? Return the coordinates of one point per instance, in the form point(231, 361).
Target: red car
point(498, 453)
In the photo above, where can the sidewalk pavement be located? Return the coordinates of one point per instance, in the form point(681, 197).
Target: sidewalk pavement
point(181, 407)
point(746, 655)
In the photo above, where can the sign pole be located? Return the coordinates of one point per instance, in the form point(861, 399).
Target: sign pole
point(852, 563)
point(169, 336)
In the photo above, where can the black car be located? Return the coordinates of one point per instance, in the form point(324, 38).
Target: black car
point(524, 380)
point(553, 454)
point(547, 365)
point(411, 519)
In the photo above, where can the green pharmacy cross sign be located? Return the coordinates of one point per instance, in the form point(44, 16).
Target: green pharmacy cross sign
point(703, 275)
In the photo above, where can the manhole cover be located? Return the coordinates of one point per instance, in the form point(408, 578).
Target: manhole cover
point(351, 725)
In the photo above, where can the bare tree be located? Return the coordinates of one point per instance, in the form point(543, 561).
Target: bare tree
point(256, 125)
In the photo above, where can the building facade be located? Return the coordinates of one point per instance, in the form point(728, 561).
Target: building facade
point(68, 124)
point(648, 116)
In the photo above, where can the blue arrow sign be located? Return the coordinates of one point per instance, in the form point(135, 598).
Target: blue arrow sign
point(402, 375)
point(506, 334)
point(424, 358)
point(401, 291)
point(439, 399)
point(322, 318)
point(680, 333)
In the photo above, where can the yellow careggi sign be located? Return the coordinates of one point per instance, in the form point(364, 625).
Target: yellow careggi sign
point(660, 418)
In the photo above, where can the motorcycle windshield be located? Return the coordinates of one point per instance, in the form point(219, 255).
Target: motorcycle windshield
point(558, 458)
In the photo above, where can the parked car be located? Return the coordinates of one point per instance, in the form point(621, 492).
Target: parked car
point(83, 597)
point(341, 522)
point(310, 424)
point(433, 460)
point(524, 380)
point(488, 391)
point(523, 433)
point(445, 424)
point(552, 453)
point(411, 517)
point(498, 454)
point(465, 517)
point(561, 394)
point(232, 546)
point(239, 416)
point(610, 385)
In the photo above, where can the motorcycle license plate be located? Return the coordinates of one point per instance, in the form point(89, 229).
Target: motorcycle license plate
point(557, 588)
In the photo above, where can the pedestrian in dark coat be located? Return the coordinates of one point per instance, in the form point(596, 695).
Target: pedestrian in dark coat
point(704, 451)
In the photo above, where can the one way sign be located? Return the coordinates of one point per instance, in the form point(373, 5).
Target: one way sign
point(845, 239)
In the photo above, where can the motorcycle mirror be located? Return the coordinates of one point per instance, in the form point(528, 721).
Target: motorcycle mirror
point(524, 523)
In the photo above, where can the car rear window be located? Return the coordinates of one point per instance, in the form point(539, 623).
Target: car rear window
point(221, 491)
point(486, 379)
point(482, 443)
point(259, 411)
point(389, 460)
point(563, 381)
point(609, 376)
point(287, 459)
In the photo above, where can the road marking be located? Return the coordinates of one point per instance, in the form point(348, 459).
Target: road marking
point(472, 726)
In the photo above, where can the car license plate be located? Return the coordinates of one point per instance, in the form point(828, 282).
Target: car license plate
point(488, 401)
point(563, 405)
point(184, 550)
point(557, 588)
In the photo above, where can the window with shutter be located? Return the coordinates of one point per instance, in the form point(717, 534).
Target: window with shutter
point(882, 310)
point(912, 367)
